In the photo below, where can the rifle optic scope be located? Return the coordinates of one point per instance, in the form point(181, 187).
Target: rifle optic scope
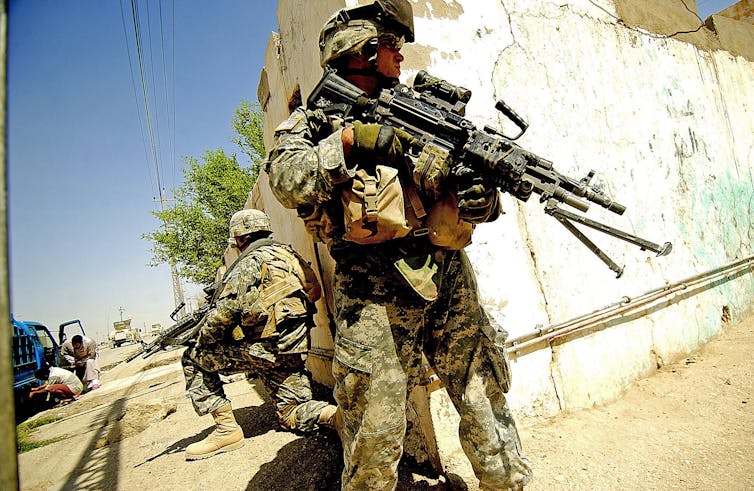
point(440, 88)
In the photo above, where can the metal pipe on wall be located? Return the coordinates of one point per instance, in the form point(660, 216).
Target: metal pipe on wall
point(626, 305)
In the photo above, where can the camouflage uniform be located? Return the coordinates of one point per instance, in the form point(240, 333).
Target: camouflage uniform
point(383, 326)
point(234, 339)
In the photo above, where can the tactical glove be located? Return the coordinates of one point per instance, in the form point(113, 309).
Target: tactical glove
point(376, 144)
point(478, 199)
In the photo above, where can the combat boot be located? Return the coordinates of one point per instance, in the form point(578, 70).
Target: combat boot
point(226, 437)
point(332, 417)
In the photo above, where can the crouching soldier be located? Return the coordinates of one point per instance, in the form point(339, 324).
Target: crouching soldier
point(259, 325)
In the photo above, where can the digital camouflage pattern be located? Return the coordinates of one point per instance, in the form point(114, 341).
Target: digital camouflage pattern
point(285, 379)
point(241, 302)
point(383, 327)
point(235, 338)
point(384, 322)
point(248, 221)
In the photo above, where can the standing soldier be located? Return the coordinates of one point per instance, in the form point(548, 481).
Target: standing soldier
point(259, 325)
point(403, 284)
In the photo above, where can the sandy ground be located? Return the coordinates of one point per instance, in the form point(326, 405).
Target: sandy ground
point(689, 426)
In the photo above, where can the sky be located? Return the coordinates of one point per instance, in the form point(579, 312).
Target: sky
point(705, 8)
point(81, 171)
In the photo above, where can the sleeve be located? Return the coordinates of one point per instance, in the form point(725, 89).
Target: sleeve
point(224, 314)
point(239, 290)
point(67, 351)
point(302, 172)
point(91, 349)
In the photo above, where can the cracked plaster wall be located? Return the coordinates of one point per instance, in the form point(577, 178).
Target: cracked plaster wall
point(667, 126)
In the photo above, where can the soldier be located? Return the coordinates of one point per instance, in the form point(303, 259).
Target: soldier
point(403, 285)
point(259, 325)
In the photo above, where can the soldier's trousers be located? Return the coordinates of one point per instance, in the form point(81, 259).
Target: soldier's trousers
point(381, 332)
point(88, 371)
point(284, 376)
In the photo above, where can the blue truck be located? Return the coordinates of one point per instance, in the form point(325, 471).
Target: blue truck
point(34, 345)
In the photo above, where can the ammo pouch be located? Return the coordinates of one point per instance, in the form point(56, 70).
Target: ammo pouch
point(278, 299)
point(431, 170)
point(446, 229)
point(378, 208)
point(373, 207)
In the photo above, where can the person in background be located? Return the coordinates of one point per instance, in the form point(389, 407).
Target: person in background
point(59, 382)
point(81, 353)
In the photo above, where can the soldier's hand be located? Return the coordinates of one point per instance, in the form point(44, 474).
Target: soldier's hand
point(478, 200)
point(376, 144)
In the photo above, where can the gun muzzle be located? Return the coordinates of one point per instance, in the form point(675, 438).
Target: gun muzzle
point(604, 202)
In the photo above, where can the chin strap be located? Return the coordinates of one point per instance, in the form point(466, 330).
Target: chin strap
point(383, 82)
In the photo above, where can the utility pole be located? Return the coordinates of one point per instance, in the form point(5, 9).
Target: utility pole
point(177, 288)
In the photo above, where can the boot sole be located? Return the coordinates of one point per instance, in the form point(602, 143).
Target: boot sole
point(227, 448)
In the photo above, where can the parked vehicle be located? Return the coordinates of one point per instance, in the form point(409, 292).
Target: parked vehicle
point(34, 345)
point(123, 333)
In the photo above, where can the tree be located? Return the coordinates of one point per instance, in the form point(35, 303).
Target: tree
point(195, 230)
point(248, 123)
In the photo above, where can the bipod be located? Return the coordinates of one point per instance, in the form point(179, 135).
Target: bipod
point(566, 218)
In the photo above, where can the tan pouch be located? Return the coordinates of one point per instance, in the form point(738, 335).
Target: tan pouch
point(373, 207)
point(319, 224)
point(446, 229)
point(431, 170)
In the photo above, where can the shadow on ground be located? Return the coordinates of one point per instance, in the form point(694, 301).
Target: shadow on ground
point(315, 463)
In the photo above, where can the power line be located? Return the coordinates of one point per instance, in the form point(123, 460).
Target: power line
point(151, 108)
point(154, 93)
point(136, 97)
point(171, 130)
point(144, 91)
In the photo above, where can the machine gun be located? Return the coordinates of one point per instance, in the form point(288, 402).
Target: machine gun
point(183, 332)
point(432, 113)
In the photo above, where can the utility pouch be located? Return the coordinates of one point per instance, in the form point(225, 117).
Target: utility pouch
point(496, 336)
point(373, 207)
point(431, 170)
point(319, 223)
point(446, 229)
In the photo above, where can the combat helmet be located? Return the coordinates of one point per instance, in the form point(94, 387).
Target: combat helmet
point(351, 29)
point(246, 222)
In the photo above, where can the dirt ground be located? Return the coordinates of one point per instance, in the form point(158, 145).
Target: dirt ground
point(689, 426)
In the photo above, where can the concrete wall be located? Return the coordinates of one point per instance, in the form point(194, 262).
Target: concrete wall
point(667, 125)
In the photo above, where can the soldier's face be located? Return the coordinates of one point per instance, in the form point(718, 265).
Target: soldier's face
point(389, 57)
